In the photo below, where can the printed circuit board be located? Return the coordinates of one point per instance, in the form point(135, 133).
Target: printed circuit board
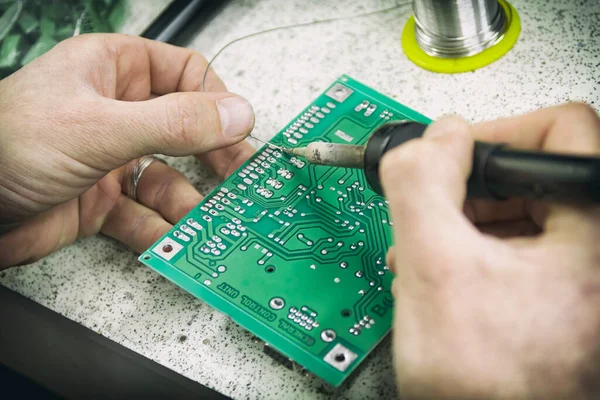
point(292, 252)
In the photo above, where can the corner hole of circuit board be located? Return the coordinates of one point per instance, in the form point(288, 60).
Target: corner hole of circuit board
point(339, 92)
point(340, 357)
point(167, 248)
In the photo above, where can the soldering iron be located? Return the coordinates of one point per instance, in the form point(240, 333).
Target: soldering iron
point(498, 172)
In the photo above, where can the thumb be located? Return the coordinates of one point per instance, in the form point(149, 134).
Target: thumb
point(179, 124)
point(425, 182)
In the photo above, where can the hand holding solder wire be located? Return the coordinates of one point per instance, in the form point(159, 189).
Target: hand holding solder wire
point(104, 88)
point(494, 300)
point(74, 124)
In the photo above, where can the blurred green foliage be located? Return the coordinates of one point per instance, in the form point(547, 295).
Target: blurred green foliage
point(29, 28)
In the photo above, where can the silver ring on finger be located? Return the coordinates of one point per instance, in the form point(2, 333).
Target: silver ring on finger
point(136, 175)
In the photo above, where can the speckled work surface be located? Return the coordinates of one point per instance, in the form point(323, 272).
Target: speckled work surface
point(99, 283)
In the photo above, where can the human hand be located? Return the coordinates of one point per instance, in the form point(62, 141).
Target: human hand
point(72, 121)
point(493, 300)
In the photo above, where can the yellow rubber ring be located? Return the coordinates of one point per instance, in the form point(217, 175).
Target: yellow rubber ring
point(463, 64)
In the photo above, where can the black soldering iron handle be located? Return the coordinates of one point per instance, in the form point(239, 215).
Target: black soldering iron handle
point(500, 172)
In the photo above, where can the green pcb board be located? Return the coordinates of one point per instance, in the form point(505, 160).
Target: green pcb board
point(292, 252)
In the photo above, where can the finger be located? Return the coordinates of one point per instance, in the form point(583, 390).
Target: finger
point(425, 183)
point(413, 163)
point(395, 287)
point(134, 67)
point(131, 68)
point(225, 161)
point(165, 190)
point(570, 128)
point(184, 68)
point(390, 259)
point(176, 69)
point(175, 124)
point(51, 231)
point(135, 225)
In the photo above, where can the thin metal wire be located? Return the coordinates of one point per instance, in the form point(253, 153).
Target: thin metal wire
point(323, 21)
point(285, 150)
point(458, 28)
point(303, 24)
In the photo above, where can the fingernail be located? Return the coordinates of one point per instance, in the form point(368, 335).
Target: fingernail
point(237, 116)
point(445, 126)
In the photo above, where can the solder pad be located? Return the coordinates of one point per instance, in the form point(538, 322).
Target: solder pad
point(295, 253)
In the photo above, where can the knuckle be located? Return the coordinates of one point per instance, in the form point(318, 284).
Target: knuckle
point(193, 71)
point(199, 60)
point(450, 123)
point(90, 43)
point(458, 146)
point(162, 191)
point(182, 121)
point(582, 110)
point(85, 51)
point(389, 165)
point(156, 234)
point(196, 67)
point(408, 163)
point(70, 43)
point(461, 137)
point(136, 230)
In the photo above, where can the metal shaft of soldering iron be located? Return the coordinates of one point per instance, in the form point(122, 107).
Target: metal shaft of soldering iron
point(336, 155)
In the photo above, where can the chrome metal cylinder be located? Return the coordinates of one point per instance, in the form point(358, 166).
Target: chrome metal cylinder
point(458, 28)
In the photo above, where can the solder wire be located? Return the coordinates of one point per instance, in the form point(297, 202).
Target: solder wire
point(284, 27)
point(302, 24)
point(285, 150)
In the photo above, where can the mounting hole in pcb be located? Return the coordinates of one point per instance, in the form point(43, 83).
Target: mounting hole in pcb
point(328, 335)
point(340, 357)
point(277, 303)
